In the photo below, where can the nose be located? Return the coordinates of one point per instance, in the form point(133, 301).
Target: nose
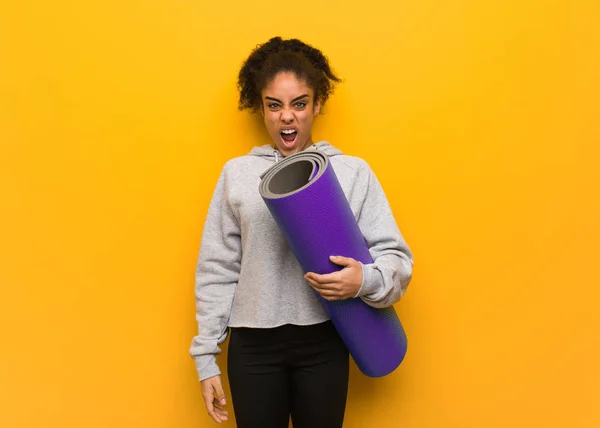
point(287, 116)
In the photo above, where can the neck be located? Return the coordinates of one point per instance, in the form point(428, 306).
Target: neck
point(308, 143)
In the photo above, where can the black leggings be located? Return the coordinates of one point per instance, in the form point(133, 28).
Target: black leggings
point(300, 371)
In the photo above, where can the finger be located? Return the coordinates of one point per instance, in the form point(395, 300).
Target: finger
point(216, 405)
point(216, 418)
point(342, 261)
point(333, 286)
point(313, 283)
point(219, 394)
point(323, 279)
point(223, 414)
point(208, 400)
point(323, 287)
point(330, 293)
point(220, 410)
point(210, 407)
point(212, 413)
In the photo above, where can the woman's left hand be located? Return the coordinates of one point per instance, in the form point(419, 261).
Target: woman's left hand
point(339, 285)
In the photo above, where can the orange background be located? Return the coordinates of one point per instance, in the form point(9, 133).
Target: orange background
point(479, 118)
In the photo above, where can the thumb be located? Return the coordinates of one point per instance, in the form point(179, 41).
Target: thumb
point(342, 261)
point(219, 394)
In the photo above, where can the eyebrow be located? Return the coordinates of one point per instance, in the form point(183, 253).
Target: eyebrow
point(293, 101)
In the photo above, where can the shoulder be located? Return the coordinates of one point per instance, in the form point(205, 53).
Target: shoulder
point(346, 164)
point(238, 161)
point(245, 165)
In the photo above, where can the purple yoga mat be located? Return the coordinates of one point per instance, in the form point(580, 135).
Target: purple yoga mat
point(304, 196)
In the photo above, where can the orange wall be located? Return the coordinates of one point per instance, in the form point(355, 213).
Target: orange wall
point(480, 118)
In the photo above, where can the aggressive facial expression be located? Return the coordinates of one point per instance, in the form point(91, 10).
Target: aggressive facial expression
point(289, 108)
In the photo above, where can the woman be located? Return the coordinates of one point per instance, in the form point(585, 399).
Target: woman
point(285, 357)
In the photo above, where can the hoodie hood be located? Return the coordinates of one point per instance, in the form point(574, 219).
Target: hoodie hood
point(268, 151)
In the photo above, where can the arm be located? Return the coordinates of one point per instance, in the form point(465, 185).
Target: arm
point(217, 273)
point(385, 280)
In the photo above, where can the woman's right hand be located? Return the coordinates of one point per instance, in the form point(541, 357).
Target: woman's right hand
point(214, 398)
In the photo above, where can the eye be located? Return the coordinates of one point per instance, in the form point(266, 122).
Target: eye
point(273, 106)
point(300, 104)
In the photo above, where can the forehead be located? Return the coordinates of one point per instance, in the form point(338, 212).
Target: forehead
point(286, 84)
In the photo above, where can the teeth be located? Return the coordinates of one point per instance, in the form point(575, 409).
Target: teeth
point(288, 131)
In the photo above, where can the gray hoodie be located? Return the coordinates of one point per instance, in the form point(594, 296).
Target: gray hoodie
point(247, 276)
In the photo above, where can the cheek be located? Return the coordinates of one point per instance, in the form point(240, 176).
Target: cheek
point(306, 119)
point(271, 122)
point(268, 117)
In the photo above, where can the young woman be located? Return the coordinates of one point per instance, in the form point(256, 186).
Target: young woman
point(285, 357)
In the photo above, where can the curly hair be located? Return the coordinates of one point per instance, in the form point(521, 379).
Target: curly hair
point(277, 55)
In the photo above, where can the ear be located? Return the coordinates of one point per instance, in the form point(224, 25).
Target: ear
point(317, 108)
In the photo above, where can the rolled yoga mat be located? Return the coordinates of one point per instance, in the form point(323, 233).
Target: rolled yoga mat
point(306, 199)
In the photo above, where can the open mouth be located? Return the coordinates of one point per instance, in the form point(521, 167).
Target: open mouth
point(288, 136)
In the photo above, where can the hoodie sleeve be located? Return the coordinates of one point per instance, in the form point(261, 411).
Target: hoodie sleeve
point(386, 279)
point(217, 273)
